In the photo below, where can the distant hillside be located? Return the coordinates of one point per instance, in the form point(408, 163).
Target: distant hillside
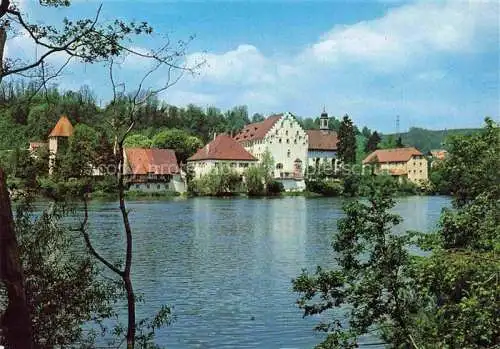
point(425, 140)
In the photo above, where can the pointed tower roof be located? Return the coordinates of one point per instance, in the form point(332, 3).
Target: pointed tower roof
point(63, 128)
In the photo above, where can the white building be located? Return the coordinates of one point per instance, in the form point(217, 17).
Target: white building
point(223, 150)
point(286, 141)
point(322, 150)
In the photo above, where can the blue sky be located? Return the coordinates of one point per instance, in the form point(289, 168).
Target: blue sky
point(435, 64)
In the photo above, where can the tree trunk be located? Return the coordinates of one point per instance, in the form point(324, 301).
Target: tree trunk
point(16, 322)
point(128, 258)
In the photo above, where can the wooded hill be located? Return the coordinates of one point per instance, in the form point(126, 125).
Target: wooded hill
point(425, 140)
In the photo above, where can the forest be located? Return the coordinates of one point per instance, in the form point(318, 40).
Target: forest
point(26, 117)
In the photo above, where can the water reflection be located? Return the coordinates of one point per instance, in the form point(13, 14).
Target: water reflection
point(226, 264)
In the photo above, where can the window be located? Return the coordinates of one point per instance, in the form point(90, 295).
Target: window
point(288, 153)
point(286, 133)
point(287, 141)
point(158, 186)
point(280, 140)
point(279, 166)
point(147, 186)
point(137, 186)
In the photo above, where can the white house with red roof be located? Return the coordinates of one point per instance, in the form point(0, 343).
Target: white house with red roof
point(322, 149)
point(223, 150)
point(287, 142)
point(152, 170)
point(403, 163)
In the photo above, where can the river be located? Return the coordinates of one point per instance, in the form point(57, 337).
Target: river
point(225, 265)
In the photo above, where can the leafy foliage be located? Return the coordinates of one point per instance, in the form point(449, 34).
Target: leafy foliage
point(372, 142)
point(63, 286)
point(347, 141)
point(221, 180)
point(445, 298)
point(369, 287)
point(180, 141)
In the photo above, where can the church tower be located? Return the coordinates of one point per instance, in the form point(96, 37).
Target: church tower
point(323, 121)
point(58, 140)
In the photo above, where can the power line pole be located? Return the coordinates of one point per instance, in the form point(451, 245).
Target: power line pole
point(397, 126)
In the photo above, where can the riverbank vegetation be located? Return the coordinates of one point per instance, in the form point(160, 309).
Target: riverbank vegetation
point(445, 298)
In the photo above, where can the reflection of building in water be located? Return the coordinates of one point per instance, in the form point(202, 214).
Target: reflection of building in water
point(288, 234)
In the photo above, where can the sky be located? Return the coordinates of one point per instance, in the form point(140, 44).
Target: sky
point(435, 64)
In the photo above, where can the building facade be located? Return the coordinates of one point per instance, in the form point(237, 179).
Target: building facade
point(283, 137)
point(402, 163)
point(322, 148)
point(152, 170)
point(222, 151)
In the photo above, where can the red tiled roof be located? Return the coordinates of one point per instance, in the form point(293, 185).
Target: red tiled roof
point(36, 145)
point(322, 140)
point(392, 155)
point(141, 161)
point(222, 147)
point(439, 154)
point(63, 128)
point(257, 130)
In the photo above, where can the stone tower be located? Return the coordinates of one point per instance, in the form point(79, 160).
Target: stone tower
point(323, 121)
point(58, 140)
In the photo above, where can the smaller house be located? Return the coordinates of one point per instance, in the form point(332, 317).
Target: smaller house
point(152, 170)
point(34, 146)
point(223, 150)
point(322, 149)
point(402, 163)
point(437, 155)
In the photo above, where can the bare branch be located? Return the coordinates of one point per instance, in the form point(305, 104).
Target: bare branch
point(93, 251)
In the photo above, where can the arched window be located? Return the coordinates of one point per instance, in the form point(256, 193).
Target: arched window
point(279, 166)
point(288, 153)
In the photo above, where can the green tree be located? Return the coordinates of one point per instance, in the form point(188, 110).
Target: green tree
point(388, 142)
point(221, 180)
point(372, 142)
point(399, 142)
point(347, 141)
point(254, 181)
point(63, 293)
point(472, 165)
point(137, 140)
point(461, 275)
point(444, 298)
point(88, 40)
point(365, 132)
point(369, 287)
point(258, 177)
point(180, 141)
point(256, 117)
point(80, 156)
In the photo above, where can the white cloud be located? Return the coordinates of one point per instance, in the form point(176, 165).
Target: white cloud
point(245, 65)
point(407, 33)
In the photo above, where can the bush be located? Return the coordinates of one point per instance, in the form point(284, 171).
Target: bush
point(274, 188)
point(254, 180)
point(221, 180)
point(351, 184)
point(107, 185)
point(326, 187)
